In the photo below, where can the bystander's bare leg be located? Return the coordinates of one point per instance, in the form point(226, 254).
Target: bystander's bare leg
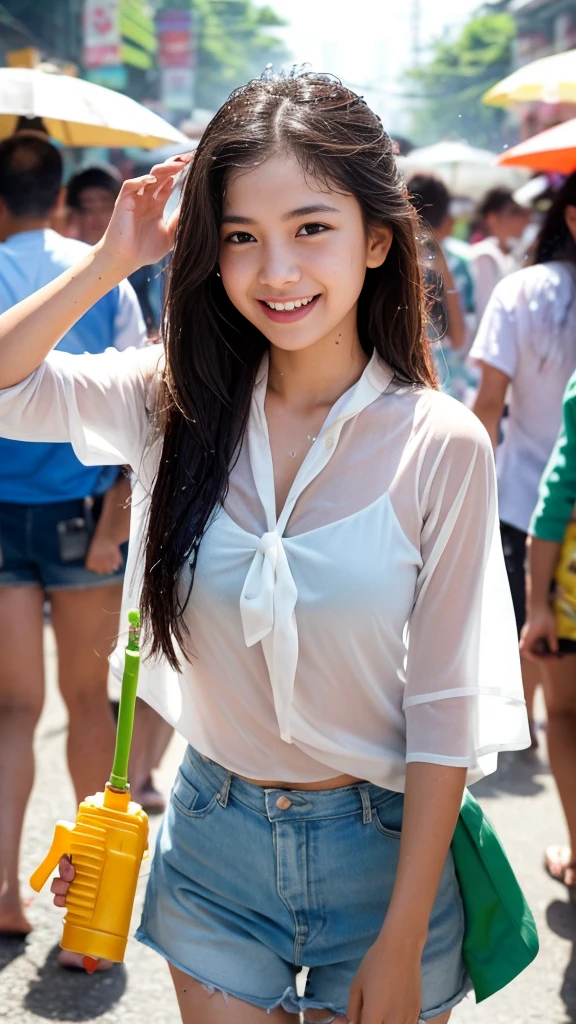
point(21, 699)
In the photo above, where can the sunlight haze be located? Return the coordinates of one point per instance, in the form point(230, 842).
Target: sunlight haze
point(368, 43)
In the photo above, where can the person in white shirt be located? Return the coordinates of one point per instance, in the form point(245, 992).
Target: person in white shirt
point(322, 565)
point(63, 525)
point(504, 222)
point(526, 348)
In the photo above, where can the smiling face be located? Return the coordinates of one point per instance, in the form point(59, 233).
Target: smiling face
point(293, 256)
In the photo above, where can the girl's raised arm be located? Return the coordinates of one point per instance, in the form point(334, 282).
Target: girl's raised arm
point(137, 235)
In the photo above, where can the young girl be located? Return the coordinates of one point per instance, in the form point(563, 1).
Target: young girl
point(321, 563)
point(526, 350)
point(550, 628)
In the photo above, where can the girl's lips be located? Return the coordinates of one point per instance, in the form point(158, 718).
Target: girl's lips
point(288, 316)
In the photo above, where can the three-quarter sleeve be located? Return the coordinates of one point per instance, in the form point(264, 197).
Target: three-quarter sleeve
point(557, 493)
point(96, 402)
point(463, 697)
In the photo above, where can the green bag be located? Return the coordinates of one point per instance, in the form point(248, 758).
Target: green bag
point(500, 937)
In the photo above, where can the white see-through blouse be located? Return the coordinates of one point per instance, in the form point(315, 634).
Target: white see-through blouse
point(368, 626)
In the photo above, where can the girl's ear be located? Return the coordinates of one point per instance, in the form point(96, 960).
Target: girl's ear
point(379, 242)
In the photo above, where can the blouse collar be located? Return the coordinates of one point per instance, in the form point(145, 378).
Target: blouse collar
point(372, 383)
point(269, 596)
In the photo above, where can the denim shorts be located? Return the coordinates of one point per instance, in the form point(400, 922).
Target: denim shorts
point(46, 545)
point(248, 885)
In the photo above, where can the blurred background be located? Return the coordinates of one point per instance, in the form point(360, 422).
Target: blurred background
point(480, 100)
point(422, 66)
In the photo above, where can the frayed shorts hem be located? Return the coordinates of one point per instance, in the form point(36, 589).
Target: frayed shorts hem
point(449, 1004)
point(289, 1000)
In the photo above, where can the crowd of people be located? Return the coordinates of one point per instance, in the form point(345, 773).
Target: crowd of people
point(516, 369)
point(348, 507)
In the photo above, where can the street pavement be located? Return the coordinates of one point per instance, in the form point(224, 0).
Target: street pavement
point(520, 799)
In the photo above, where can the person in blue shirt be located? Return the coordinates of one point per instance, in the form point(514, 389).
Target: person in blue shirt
point(90, 197)
point(61, 527)
point(91, 194)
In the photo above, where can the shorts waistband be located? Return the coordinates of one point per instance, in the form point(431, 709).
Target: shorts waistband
point(303, 804)
point(63, 508)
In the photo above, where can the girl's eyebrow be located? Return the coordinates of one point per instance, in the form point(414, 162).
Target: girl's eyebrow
point(302, 211)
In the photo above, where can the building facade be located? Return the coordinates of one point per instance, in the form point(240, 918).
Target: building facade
point(57, 29)
point(544, 27)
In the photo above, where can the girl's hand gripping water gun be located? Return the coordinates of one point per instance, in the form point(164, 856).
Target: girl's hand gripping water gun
point(106, 844)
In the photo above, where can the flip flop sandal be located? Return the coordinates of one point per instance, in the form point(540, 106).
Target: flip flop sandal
point(557, 862)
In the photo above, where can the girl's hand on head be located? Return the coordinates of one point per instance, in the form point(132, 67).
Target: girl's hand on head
point(138, 234)
point(60, 885)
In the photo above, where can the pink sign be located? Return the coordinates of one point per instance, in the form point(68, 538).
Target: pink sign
point(102, 38)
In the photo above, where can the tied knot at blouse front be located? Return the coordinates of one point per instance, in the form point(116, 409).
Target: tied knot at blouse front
point(368, 625)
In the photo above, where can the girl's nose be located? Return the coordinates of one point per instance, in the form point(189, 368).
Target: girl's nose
point(278, 268)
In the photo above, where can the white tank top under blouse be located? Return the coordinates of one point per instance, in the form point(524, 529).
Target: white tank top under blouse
point(367, 626)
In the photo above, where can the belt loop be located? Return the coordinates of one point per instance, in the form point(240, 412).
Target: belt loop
point(222, 796)
point(366, 806)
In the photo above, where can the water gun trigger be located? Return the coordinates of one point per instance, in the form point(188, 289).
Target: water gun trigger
point(61, 846)
point(106, 842)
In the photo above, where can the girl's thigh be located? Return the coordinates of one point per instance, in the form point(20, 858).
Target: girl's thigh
point(197, 1004)
point(559, 679)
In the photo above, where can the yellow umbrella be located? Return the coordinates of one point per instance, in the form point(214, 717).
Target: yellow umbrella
point(548, 80)
point(80, 113)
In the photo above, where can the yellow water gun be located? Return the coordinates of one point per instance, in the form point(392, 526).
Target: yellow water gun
point(106, 844)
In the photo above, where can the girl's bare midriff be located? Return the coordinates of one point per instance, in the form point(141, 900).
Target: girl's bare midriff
point(337, 783)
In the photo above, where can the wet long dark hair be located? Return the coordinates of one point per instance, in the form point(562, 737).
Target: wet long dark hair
point(213, 352)
point(554, 240)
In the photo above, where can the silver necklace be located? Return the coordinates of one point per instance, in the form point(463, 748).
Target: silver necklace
point(310, 439)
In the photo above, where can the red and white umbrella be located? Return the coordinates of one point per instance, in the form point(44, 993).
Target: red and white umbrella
point(551, 150)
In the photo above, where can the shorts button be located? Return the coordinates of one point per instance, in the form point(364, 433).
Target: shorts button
point(283, 803)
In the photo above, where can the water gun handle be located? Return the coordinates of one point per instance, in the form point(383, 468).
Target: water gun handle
point(61, 846)
point(106, 844)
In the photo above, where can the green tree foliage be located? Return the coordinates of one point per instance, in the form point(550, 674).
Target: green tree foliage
point(450, 86)
point(234, 45)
